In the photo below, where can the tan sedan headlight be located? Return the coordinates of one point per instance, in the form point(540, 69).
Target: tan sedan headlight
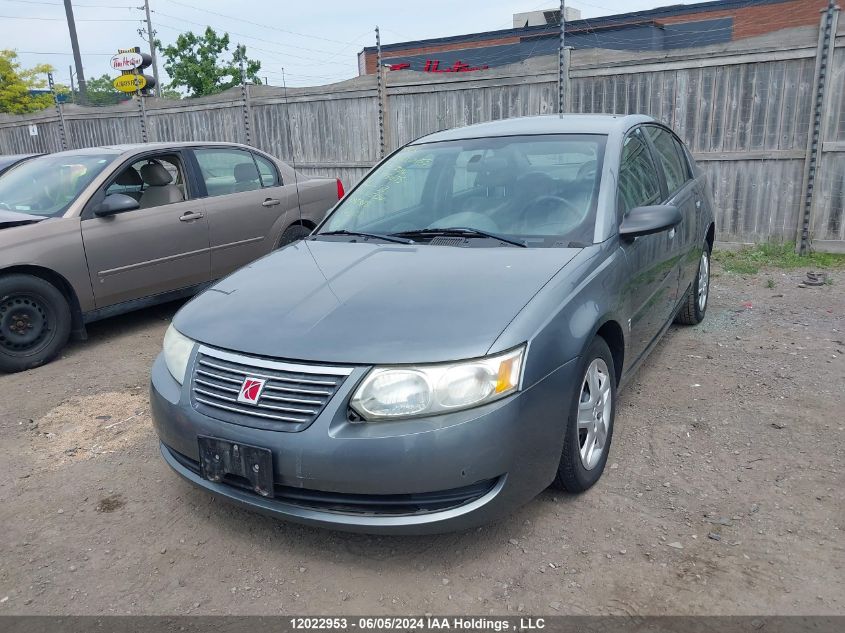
point(177, 351)
point(410, 391)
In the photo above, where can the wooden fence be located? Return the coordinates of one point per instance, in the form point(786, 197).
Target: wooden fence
point(744, 109)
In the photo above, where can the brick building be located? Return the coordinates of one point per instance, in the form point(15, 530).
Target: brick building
point(663, 28)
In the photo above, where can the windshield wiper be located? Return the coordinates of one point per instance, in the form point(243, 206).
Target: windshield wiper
point(463, 231)
point(375, 236)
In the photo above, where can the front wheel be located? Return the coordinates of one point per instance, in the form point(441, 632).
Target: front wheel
point(34, 322)
point(590, 421)
point(695, 303)
point(294, 234)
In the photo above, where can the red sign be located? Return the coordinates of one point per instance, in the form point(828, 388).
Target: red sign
point(433, 66)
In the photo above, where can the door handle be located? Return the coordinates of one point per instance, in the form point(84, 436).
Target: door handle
point(271, 202)
point(191, 216)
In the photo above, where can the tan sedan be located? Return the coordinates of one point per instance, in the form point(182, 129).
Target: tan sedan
point(90, 233)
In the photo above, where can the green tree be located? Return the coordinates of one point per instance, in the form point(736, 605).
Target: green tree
point(16, 83)
point(199, 65)
point(101, 91)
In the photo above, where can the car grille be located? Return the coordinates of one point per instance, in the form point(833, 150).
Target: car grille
point(346, 503)
point(293, 396)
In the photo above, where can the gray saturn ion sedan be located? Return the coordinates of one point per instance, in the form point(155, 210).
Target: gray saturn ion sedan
point(450, 340)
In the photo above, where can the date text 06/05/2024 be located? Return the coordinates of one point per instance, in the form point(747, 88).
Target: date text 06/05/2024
point(432, 623)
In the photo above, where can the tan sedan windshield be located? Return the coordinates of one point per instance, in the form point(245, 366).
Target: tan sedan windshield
point(47, 186)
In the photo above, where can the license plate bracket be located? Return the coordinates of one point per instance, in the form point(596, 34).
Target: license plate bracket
point(251, 465)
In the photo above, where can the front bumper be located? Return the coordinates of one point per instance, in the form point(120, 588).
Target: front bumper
point(426, 475)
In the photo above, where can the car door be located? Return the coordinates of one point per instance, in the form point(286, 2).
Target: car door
point(682, 192)
point(246, 203)
point(652, 281)
point(161, 247)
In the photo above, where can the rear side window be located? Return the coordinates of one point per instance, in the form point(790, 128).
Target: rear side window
point(226, 171)
point(638, 182)
point(267, 171)
point(670, 155)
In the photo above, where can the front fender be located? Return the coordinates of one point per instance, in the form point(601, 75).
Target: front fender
point(54, 245)
point(564, 316)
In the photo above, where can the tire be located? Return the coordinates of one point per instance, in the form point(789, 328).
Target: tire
point(587, 442)
point(293, 234)
point(695, 302)
point(35, 322)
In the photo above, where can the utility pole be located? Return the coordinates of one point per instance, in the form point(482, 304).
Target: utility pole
point(77, 58)
point(151, 38)
point(72, 86)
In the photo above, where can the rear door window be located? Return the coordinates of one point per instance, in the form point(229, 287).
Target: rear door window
point(226, 171)
point(267, 172)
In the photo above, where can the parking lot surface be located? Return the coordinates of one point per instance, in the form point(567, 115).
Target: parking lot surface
point(724, 492)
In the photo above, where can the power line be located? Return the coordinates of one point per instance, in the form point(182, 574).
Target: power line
point(243, 35)
point(263, 26)
point(21, 17)
point(75, 4)
point(65, 53)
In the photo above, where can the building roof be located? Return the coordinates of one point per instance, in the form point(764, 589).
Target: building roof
point(545, 124)
point(591, 24)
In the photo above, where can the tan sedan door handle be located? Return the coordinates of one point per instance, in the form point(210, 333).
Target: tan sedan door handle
point(191, 216)
point(270, 202)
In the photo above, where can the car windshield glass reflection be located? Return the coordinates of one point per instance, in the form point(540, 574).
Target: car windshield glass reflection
point(542, 189)
point(48, 185)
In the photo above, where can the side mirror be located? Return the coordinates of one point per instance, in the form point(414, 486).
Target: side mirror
point(116, 203)
point(651, 219)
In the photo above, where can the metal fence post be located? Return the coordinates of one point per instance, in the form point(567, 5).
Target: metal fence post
point(562, 65)
point(380, 97)
point(142, 108)
point(824, 53)
point(247, 115)
point(62, 132)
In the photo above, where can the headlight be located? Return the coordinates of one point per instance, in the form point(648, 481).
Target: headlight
point(177, 351)
point(401, 392)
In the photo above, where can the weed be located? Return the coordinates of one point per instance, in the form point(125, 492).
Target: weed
point(749, 261)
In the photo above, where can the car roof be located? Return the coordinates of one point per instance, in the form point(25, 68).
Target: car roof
point(125, 148)
point(547, 124)
point(11, 159)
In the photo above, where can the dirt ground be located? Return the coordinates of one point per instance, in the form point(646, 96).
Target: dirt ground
point(724, 493)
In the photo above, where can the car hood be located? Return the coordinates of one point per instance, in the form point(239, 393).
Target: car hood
point(362, 303)
point(15, 218)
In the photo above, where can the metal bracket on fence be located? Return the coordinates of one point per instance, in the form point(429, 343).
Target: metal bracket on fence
point(245, 103)
point(380, 97)
point(142, 108)
point(562, 66)
point(824, 53)
point(62, 133)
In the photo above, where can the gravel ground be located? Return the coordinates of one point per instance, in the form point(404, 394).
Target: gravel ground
point(723, 495)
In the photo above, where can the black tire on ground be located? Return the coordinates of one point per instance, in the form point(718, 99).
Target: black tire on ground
point(35, 322)
point(572, 475)
point(693, 308)
point(294, 234)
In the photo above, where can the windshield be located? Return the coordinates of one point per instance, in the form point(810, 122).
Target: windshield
point(47, 186)
point(541, 189)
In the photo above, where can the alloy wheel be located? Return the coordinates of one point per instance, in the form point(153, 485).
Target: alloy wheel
point(703, 280)
point(594, 413)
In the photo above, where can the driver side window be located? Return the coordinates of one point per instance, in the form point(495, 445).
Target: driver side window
point(639, 184)
point(152, 181)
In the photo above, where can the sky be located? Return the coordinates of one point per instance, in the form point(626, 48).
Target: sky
point(314, 42)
